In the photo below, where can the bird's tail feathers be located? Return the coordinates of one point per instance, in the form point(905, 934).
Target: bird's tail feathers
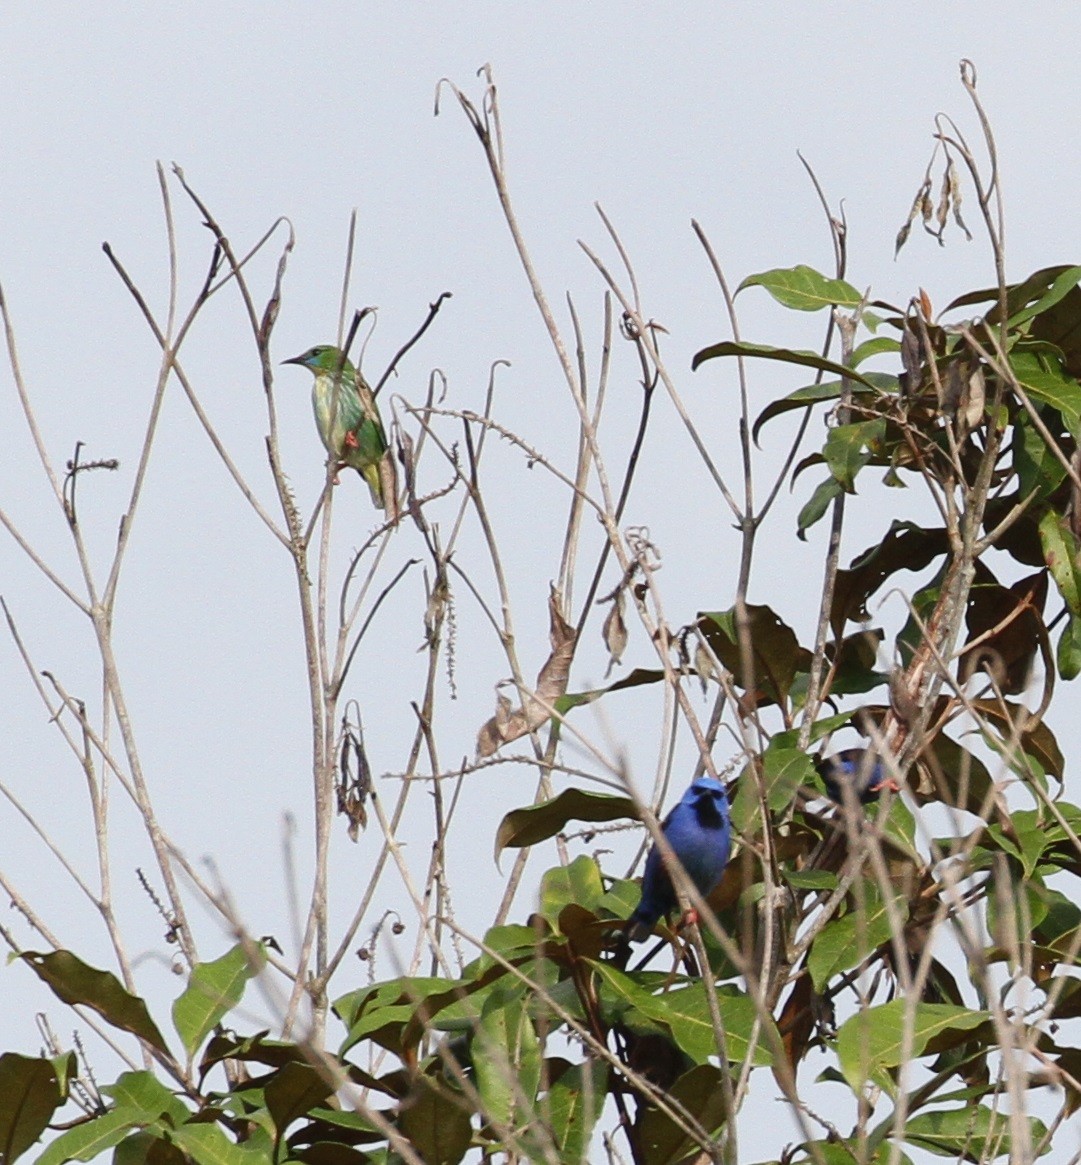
point(638, 930)
point(370, 473)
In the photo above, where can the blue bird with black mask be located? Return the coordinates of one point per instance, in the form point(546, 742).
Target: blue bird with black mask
point(855, 773)
point(700, 833)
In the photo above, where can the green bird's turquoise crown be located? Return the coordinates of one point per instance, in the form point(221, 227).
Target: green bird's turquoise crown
point(322, 358)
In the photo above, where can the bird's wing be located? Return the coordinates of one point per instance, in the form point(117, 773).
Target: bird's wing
point(366, 402)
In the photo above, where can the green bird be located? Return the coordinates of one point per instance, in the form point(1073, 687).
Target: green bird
point(346, 415)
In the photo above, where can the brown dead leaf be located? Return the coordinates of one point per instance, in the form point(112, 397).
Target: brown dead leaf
point(507, 725)
point(919, 208)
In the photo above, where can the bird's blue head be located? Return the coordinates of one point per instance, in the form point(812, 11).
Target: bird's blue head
point(857, 769)
point(710, 800)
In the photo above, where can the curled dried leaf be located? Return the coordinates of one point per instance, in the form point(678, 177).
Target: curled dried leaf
point(512, 723)
point(942, 212)
point(955, 197)
point(354, 784)
point(917, 208)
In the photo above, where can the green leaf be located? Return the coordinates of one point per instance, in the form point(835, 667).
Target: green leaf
point(1057, 932)
point(972, 1132)
point(74, 982)
point(396, 1014)
point(292, 1092)
point(636, 679)
point(1018, 295)
point(684, 1014)
point(899, 828)
point(804, 289)
point(828, 390)
point(577, 884)
point(1043, 380)
point(1026, 838)
point(841, 1153)
point(507, 1063)
point(872, 1041)
point(1016, 908)
point(525, 827)
point(29, 1095)
point(1060, 551)
point(214, 989)
point(810, 879)
point(1068, 653)
point(86, 1141)
point(437, 1126)
point(843, 943)
point(575, 1101)
point(148, 1148)
point(821, 728)
point(698, 1091)
point(1059, 326)
point(1060, 287)
point(143, 1097)
point(910, 638)
point(875, 347)
point(856, 672)
point(849, 448)
point(784, 770)
point(357, 1123)
point(815, 508)
point(208, 1145)
point(785, 355)
point(511, 941)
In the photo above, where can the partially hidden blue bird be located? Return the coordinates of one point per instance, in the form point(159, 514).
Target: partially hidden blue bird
point(700, 833)
point(859, 771)
point(346, 415)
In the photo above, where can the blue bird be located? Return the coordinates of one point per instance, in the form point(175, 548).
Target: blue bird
point(700, 834)
point(858, 770)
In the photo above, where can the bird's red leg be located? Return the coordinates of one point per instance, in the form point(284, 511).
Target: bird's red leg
point(351, 439)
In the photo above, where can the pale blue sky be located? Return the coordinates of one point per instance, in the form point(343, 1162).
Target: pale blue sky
point(660, 113)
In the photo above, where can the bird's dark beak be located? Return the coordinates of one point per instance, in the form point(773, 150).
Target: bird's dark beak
point(294, 360)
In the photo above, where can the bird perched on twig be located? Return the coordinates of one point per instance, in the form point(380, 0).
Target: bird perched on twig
point(346, 415)
point(855, 773)
point(700, 833)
